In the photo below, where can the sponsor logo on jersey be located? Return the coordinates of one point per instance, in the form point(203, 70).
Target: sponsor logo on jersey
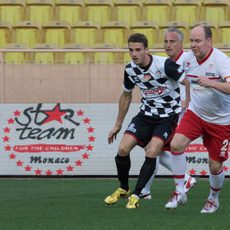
point(147, 77)
point(210, 74)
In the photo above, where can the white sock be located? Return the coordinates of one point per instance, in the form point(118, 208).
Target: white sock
point(147, 187)
point(179, 168)
point(216, 182)
point(166, 161)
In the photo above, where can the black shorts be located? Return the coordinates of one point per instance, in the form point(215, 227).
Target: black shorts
point(143, 128)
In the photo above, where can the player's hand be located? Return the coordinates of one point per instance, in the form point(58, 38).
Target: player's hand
point(113, 134)
point(204, 81)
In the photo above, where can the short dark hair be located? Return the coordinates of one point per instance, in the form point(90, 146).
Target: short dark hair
point(176, 30)
point(140, 38)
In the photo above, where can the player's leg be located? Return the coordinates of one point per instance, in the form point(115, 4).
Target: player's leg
point(146, 191)
point(217, 143)
point(188, 130)
point(123, 164)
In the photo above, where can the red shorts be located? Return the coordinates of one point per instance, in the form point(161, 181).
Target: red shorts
point(216, 138)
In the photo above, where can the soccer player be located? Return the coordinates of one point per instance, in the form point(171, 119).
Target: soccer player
point(208, 115)
point(173, 40)
point(157, 77)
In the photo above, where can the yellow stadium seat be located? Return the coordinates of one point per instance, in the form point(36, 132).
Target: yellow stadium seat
point(27, 32)
point(5, 33)
point(74, 57)
point(85, 33)
point(148, 28)
point(158, 49)
point(216, 11)
point(40, 11)
point(157, 10)
point(115, 33)
point(183, 26)
point(57, 33)
point(225, 47)
point(224, 32)
point(99, 11)
point(126, 58)
point(213, 27)
point(69, 10)
point(104, 57)
point(12, 11)
point(186, 10)
point(128, 11)
point(17, 57)
point(44, 57)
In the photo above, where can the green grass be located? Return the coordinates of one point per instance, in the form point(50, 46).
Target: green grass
point(66, 204)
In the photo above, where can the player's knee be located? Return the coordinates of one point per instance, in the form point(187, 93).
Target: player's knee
point(176, 146)
point(215, 167)
point(123, 150)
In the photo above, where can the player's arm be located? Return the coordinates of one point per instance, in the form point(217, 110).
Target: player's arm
point(124, 103)
point(221, 86)
point(186, 83)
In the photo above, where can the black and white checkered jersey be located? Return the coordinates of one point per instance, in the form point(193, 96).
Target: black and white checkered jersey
point(158, 84)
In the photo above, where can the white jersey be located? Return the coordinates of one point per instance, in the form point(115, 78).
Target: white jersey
point(179, 60)
point(208, 103)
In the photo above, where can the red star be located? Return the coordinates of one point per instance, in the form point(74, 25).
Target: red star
point(7, 148)
point(11, 121)
point(86, 120)
point(203, 172)
point(5, 139)
point(38, 172)
point(48, 173)
point(91, 139)
point(6, 130)
point(17, 113)
point(85, 156)
point(19, 163)
point(192, 172)
point(54, 115)
point(70, 168)
point(78, 163)
point(59, 172)
point(90, 130)
point(226, 168)
point(27, 168)
point(12, 156)
point(80, 113)
point(89, 147)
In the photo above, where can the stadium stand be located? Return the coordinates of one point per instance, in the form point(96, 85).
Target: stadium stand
point(69, 11)
point(128, 11)
point(12, 11)
point(224, 32)
point(216, 10)
point(44, 57)
point(186, 10)
point(99, 11)
point(40, 11)
point(15, 57)
point(74, 57)
point(115, 33)
point(85, 33)
point(57, 33)
point(104, 57)
point(224, 46)
point(157, 10)
point(27, 33)
point(5, 33)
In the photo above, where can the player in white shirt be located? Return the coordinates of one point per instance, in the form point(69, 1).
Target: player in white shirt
point(173, 40)
point(208, 115)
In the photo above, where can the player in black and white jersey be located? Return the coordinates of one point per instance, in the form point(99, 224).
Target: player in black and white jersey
point(157, 78)
point(173, 45)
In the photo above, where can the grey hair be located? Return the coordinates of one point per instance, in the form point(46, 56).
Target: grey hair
point(176, 30)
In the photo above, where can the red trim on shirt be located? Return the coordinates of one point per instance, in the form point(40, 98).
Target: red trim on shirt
point(176, 59)
point(202, 61)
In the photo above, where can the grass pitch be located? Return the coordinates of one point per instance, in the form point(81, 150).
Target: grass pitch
point(78, 204)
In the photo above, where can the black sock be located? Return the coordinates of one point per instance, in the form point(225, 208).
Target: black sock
point(146, 172)
point(123, 166)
